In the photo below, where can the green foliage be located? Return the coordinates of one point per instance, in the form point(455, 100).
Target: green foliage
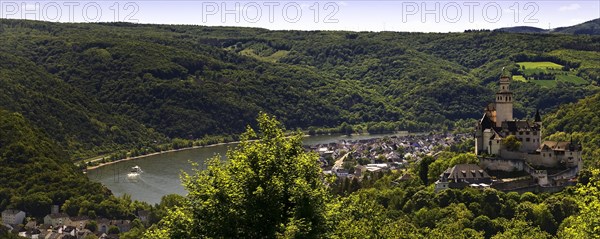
point(511, 143)
point(540, 65)
point(113, 230)
point(136, 232)
point(268, 188)
point(424, 169)
point(360, 215)
point(77, 122)
point(518, 229)
point(35, 173)
point(92, 226)
point(447, 160)
point(6, 234)
point(581, 122)
point(586, 224)
point(167, 203)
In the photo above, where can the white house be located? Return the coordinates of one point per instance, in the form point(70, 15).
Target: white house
point(13, 217)
point(57, 219)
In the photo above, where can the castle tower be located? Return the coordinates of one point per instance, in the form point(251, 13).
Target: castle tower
point(504, 102)
point(538, 117)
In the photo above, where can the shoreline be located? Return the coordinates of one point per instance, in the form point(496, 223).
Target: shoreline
point(154, 154)
point(183, 149)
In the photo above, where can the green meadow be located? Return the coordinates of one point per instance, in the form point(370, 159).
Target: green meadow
point(528, 69)
point(540, 65)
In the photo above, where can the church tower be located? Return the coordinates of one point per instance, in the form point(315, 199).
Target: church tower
point(504, 102)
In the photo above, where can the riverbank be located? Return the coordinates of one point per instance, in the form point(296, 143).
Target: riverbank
point(100, 158)
point(152, 154)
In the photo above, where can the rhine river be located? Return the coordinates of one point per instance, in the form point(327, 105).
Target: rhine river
point(161, 172)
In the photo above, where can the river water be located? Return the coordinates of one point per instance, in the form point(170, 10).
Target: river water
point(161, 172)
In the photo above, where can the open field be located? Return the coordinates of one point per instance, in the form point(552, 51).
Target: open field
point(519, 78)
point(571, 78)
point(540, 65)
point(547, 67)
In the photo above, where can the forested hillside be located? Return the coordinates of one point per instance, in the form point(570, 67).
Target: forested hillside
point(70, 117)
point(35, 173)
point(579, 122)
point(97, 88)
point(590, 28)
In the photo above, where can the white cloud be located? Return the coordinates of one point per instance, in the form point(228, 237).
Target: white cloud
point(570, 7)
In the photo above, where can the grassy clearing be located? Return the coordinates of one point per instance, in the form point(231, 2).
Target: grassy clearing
point(275, 57)
point(572, 79)
point(532, 68)
point(519, 78)
point(540, 65)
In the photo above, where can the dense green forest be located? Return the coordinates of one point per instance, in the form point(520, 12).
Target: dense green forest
point(99, 88)
point(35, 173)
point(579, 122)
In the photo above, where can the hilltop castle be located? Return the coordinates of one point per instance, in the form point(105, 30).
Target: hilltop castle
point(551, 164)
point(497, 123)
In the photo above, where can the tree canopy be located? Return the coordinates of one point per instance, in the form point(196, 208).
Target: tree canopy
point(269, 187)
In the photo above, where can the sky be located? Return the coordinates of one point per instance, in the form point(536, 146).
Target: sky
point(349, 15)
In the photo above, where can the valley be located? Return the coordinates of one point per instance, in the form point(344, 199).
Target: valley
point(101, 98)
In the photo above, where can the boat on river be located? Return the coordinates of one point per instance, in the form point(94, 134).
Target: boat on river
point(135, 171)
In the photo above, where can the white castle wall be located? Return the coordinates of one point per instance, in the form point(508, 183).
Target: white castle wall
point(532, 144)
point(545, 159)
point(507, 165)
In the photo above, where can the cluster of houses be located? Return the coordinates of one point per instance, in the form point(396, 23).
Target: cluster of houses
point(58, 225)
point(380, 154)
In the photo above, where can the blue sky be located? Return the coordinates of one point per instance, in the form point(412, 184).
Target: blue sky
point(414, 16)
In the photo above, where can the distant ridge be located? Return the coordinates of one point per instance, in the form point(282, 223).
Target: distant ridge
point(590, 28)
point(522, 29)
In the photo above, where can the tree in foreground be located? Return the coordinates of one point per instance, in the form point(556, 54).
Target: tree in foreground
point(268, 188)
point(586, 224)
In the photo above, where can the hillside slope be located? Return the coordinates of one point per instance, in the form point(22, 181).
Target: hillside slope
point(78, 122)
point(35, 173)
point(100, 87)
point(590, 27)
point(522, 29)
point(579, 122)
